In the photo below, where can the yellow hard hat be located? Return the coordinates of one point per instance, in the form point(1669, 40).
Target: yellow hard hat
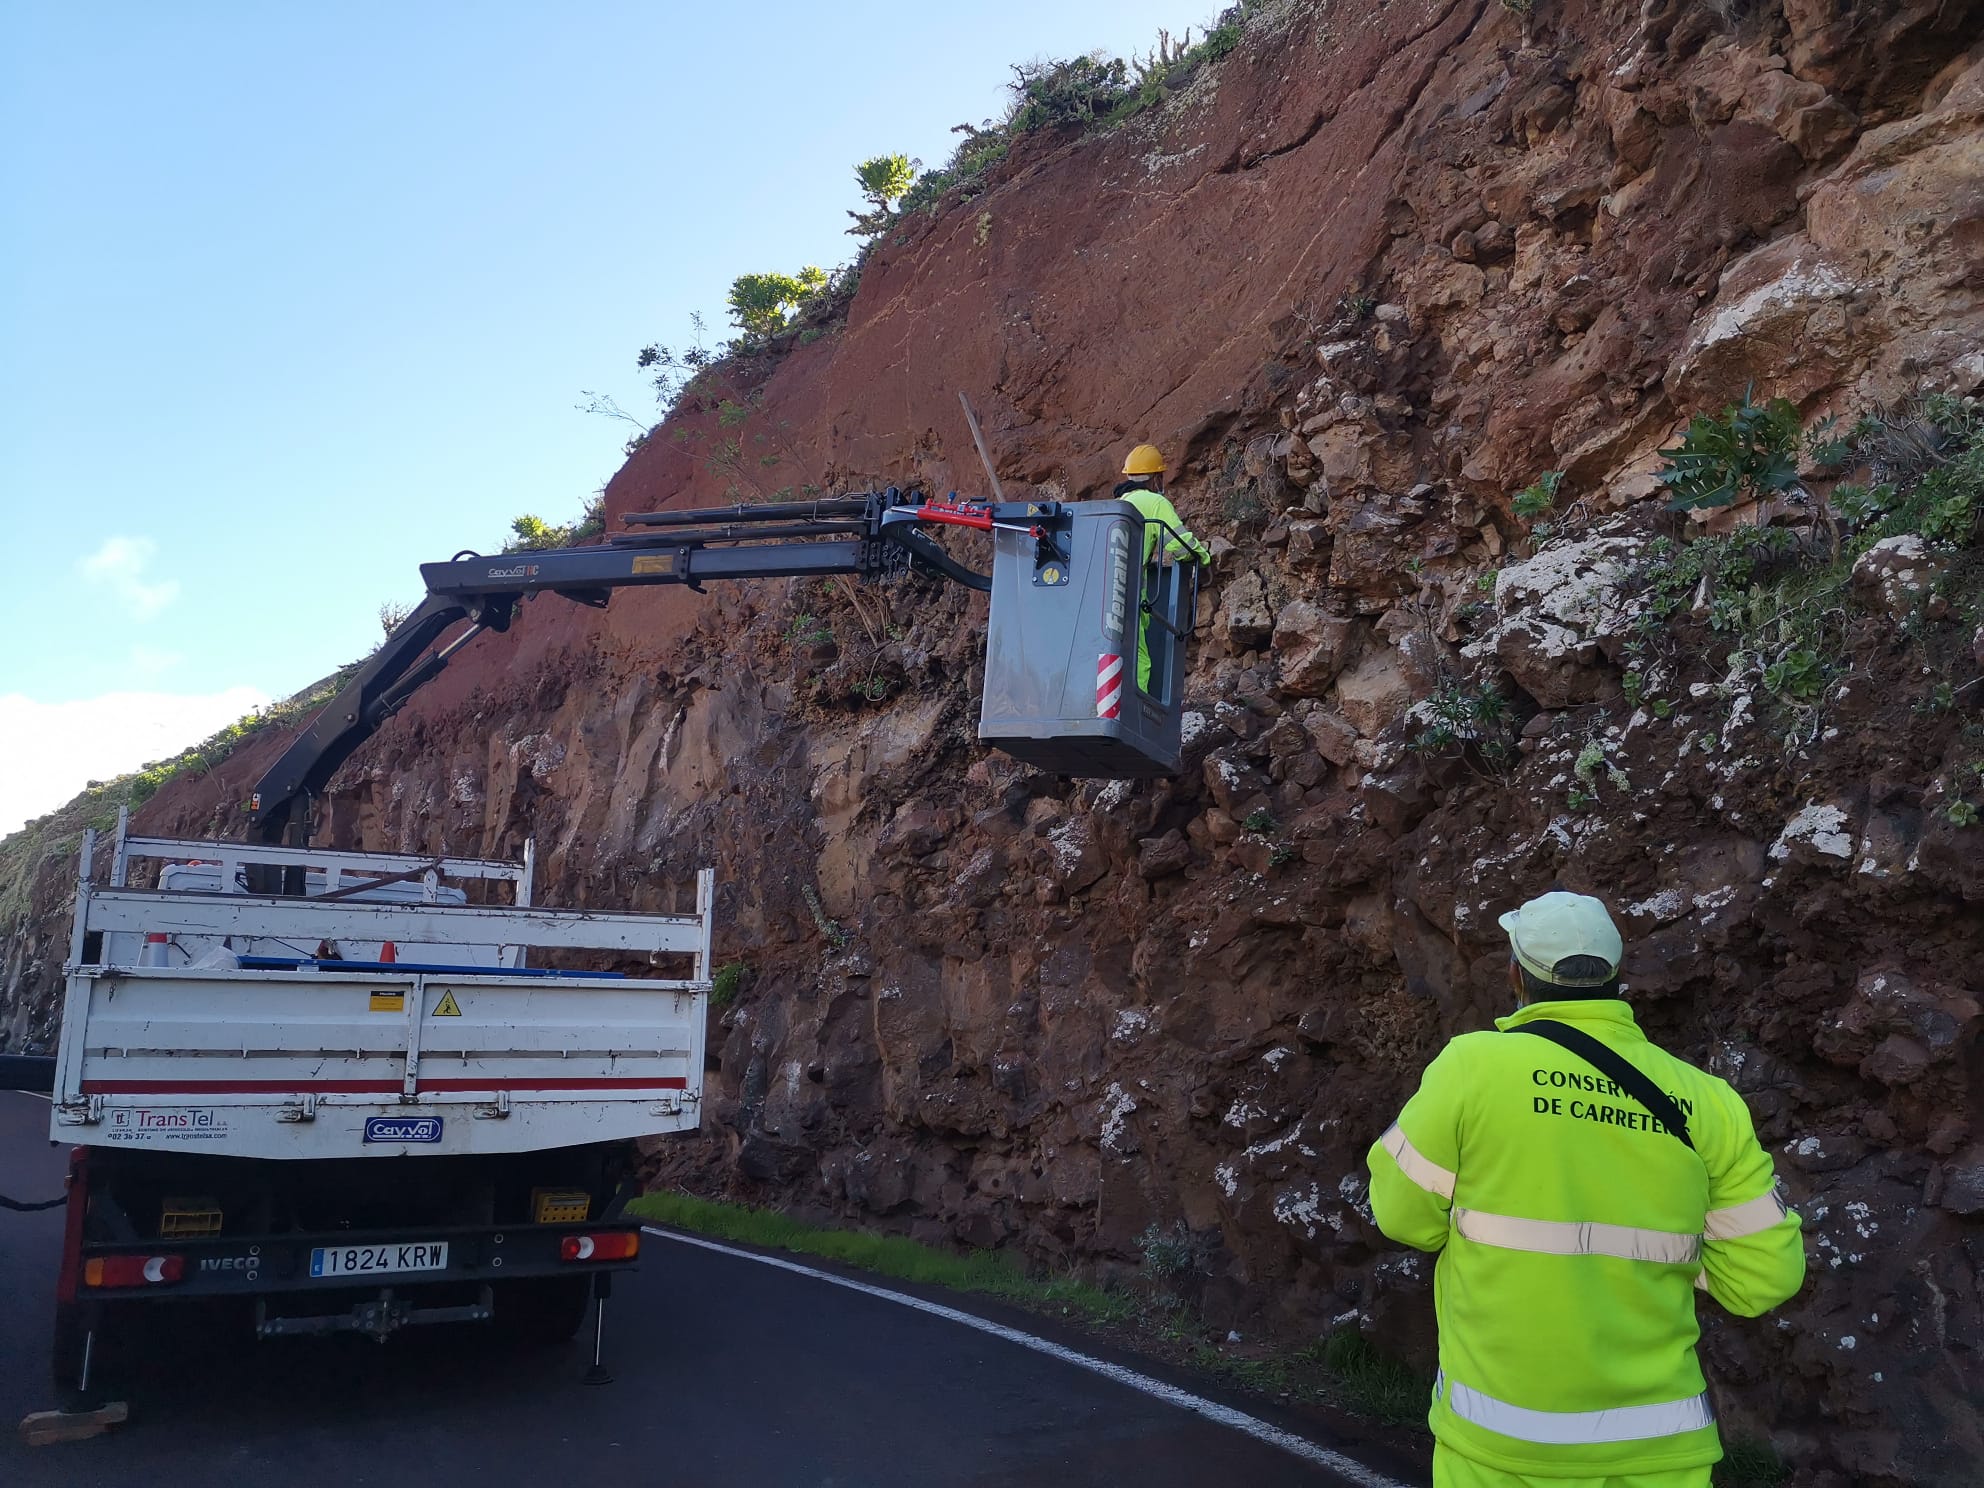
point(1145, 459)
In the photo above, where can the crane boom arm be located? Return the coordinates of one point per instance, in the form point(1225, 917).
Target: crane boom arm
point(868, 536)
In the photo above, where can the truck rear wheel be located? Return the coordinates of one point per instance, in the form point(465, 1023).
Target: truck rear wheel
point(544, 1310)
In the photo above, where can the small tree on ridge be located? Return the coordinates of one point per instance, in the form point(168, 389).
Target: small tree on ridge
point(762, 304)
point(883, 181)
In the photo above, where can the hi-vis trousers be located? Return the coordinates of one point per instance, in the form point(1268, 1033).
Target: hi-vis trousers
point(1451, 1470)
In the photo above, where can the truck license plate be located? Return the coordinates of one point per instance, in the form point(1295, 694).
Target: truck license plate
point(379, 1260)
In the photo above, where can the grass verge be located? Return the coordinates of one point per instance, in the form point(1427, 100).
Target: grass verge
point(1749, 1463)
point(984, 1272)
point(1342, 1370)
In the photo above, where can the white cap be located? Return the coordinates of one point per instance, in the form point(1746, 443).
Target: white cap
point(1556, 926)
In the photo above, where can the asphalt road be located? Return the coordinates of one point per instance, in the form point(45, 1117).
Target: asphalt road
point(727, 1372)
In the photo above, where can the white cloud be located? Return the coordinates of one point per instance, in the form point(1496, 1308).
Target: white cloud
point(119, 567)
point(50, 751)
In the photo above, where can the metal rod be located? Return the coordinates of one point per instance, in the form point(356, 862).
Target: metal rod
point(458, 642)
point(597, 1375)
point(771, 511)
point(998, 491)
point(829, 528)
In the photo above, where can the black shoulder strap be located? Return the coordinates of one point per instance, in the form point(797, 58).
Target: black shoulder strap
point(1616, 1068)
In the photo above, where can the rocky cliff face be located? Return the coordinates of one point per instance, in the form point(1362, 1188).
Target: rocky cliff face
point(1379, 269)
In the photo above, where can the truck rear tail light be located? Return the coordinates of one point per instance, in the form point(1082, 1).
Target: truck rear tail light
point(132, 1270)
point(619, 1245)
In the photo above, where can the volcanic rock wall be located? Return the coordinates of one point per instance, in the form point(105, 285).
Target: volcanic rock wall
point(1375, 271)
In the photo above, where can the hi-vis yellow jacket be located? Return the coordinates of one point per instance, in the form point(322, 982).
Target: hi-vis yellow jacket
point(1155, 507)
point(1573, 1232)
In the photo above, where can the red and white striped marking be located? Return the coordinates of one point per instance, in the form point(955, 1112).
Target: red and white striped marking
point(1108, 686)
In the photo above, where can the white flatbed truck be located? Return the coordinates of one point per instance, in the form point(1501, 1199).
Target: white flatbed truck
point(358, 1107)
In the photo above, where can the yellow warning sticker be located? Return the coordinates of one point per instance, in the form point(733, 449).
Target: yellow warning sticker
point(447, 1007)
point(654, 563)
point(388, 1002)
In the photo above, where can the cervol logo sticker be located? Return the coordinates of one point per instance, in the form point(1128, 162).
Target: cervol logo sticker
point(403, 1129)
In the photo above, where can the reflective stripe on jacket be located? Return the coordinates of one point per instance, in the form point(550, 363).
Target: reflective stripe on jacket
point(1573, 1233)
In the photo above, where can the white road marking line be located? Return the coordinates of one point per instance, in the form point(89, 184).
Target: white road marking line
point(1223, 1415)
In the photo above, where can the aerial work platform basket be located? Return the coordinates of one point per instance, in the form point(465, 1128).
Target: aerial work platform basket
point(1062, 689)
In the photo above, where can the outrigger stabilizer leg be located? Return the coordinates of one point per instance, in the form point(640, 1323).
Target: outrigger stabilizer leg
point(602, 1286)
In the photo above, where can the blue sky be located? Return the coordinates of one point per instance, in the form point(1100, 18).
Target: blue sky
point(293, 298)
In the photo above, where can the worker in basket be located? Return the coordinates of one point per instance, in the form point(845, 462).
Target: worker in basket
point(1141, 473)
point(1580, 1186)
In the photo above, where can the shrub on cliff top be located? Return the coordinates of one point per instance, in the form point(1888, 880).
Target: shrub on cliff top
point(882, 180)
point(671, 372)
point(762, 304)
point(977, 153)
point(1045, 95)
point(532, 534)
point(1077, 90)
point(1169, 66)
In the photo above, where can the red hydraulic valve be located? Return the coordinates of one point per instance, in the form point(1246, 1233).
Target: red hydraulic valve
point(970, 516)
point(955, 516)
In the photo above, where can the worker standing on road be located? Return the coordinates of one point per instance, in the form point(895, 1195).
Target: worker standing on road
point(1580, 1185)
point(1141, 472)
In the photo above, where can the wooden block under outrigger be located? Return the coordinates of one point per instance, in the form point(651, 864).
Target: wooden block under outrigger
point(46, 1428)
